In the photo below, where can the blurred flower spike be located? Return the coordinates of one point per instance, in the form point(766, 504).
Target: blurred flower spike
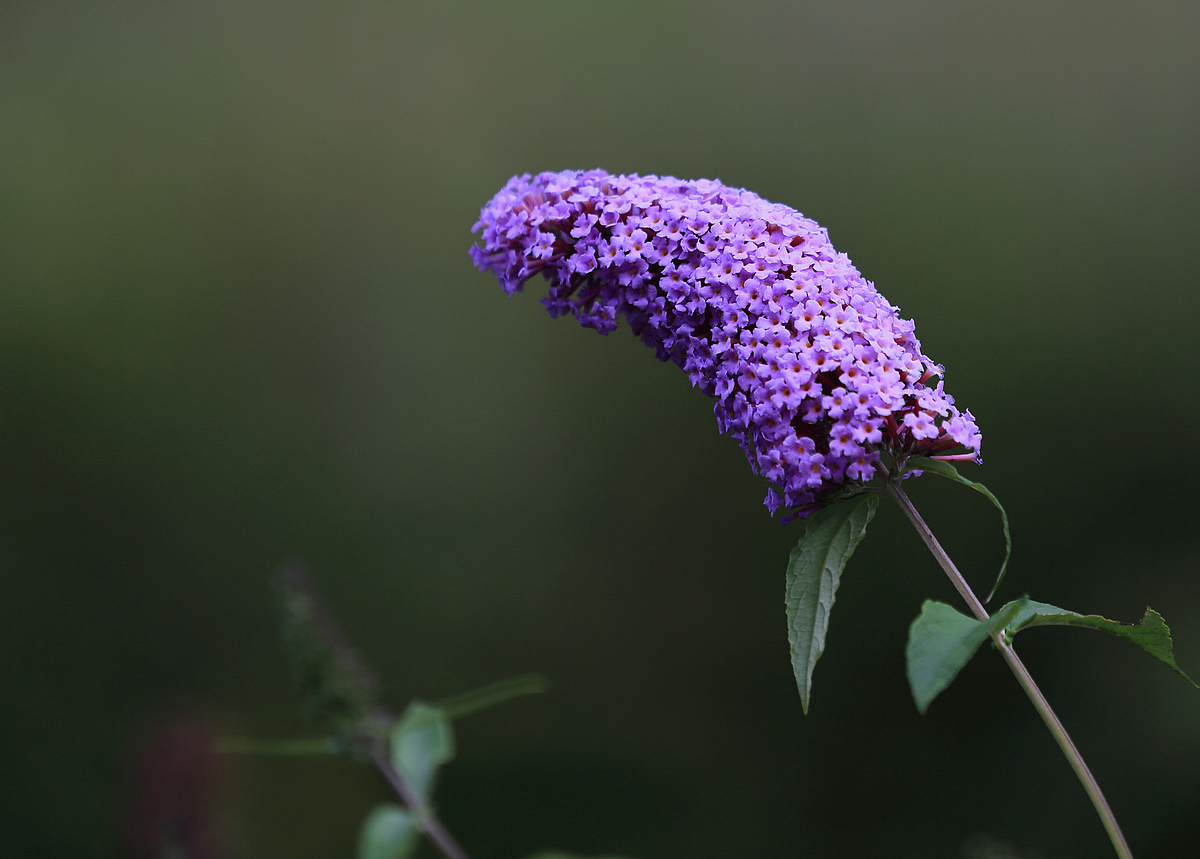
point(813, 371)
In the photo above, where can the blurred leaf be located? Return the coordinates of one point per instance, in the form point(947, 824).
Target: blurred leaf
point(494, 693)
point(1151, 633)
point(389, 832)
point(814, 568)
point(422, 741)
point(940, 642)
point(945, 469)
point(984, 846)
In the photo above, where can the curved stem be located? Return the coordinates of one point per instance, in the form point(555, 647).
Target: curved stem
point(1021, 672)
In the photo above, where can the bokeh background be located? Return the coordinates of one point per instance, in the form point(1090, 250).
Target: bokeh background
point(239, 325)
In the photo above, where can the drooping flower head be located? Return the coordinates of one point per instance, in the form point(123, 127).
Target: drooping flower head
point(813, 372)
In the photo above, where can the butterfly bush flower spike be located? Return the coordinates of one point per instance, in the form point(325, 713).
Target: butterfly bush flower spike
point(813, 371)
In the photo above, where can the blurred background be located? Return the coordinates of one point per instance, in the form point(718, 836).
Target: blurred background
point(239, 325)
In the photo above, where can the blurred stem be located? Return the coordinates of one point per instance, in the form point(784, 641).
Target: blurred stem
point(242, 746)
point(1018, 669)
point(492, 694)
point(429, 822)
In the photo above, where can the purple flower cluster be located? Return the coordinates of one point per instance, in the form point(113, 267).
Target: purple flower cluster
point(813, 372)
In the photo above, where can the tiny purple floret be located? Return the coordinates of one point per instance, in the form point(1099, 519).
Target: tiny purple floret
point(813, 371)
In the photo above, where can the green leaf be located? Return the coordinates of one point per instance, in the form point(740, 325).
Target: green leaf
point(422, 741)
point(945, 469)
point(389, 832)
point(940, 642)
point(830, 537)
point(1151, 633)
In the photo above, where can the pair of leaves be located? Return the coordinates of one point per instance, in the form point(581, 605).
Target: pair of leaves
point(942, 640)
point(421, 741)
point(815, 566)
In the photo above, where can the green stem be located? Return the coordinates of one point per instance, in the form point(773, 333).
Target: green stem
point(494, 693)
point(1021, 672)
point(242, 746)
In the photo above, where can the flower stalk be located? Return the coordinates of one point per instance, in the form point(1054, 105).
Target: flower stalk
point(1074, 758)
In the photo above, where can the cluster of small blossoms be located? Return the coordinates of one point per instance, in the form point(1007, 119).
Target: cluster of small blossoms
point(813, 372)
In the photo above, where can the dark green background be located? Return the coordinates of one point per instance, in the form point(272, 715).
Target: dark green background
point(238, 324)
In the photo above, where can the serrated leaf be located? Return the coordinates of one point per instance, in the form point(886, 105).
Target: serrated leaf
point(1151, 633)
point(388, 832)
point(948, 471)
point(814, 568)
point(422, 740)
point(940, 642)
